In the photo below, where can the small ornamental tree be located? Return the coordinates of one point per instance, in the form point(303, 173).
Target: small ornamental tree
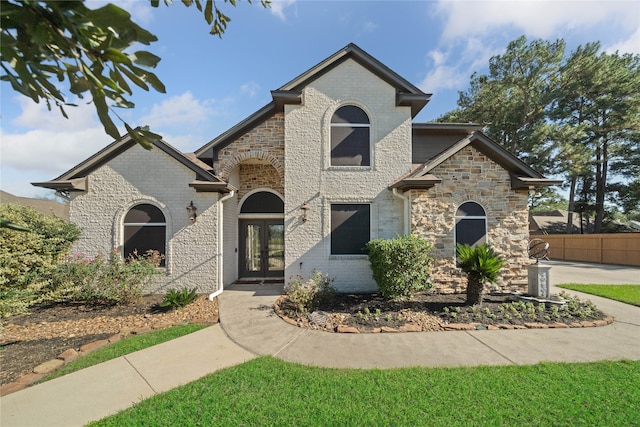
point(481, 264)
point(400, 266)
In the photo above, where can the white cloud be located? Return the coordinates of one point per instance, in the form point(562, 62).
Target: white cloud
point(451, 67)
point(178, 110)
point(535, 18)
point(278, 7)
point(50, 151)
point(37, 116)
point(630, 45)
point(250, 88)
point(369, 27)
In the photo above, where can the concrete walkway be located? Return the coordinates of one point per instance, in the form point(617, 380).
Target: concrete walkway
point(249, 328)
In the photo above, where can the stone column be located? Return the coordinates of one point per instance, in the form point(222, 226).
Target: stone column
point(539, 283)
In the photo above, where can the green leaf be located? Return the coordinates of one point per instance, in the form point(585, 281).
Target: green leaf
point(145, 59)
point(138, 137)
point(103, 113)
point(208, 12)
point(133, 77)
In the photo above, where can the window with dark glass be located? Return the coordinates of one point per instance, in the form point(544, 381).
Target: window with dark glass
point(350, 228)
point(144, 230)
point(471, 224)
point(350, 137)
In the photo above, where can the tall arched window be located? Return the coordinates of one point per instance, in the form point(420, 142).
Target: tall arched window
point(144, 230)
point(350, 137)
point(471, 224)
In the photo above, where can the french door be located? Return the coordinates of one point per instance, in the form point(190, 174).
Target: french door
point(261, 248)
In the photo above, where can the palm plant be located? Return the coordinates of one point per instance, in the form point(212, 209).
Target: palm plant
point(481, 264)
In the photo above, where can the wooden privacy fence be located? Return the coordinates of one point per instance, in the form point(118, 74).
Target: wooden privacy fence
point(621, 249)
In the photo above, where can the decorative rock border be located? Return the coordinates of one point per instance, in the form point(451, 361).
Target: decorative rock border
point(412, 327)
point(72, 354)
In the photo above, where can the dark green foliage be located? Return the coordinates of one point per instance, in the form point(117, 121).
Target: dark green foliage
point(49, 47)
point(400, 266)
point(179, 298)
point(481, 264)
point(24, 255)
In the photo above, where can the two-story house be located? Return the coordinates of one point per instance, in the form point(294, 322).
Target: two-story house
point(334, 161)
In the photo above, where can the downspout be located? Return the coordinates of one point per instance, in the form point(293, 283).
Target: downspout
point(221, 244)
point(407, 212)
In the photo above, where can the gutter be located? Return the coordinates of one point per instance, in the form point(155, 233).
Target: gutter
point(221, 244)
point(406, 211)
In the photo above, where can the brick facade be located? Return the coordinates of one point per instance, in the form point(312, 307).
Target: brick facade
point(141, 176)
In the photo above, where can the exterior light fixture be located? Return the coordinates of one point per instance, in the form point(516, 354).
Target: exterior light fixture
point(305, 209)
point(192, 212)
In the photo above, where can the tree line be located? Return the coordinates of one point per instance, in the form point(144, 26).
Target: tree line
point(575, 115)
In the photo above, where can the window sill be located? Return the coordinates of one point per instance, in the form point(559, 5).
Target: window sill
point(350, 168)
point(348, 257)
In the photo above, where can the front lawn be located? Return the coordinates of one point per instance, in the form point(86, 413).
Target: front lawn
point(267, 391)
point(629, 294)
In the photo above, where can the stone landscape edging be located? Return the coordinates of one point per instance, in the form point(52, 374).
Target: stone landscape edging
point(71, 354)
point(413, 327)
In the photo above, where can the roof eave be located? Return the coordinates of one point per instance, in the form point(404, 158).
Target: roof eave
point(78, 184)
point(211, 187)
point(422, 183)
point(416, 101)
point(521, 182)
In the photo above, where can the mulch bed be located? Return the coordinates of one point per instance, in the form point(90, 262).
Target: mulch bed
point(428, 311)
point(27, 340)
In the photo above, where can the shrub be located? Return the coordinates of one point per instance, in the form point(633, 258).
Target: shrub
point(100, 280)
point(307, 295)
point(400, 266)
point(179, 298)
point(26, 255)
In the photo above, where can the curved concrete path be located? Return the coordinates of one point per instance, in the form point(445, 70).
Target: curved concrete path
point(249, 327)
point(247, 318)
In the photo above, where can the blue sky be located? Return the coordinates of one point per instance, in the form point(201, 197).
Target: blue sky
point(214, 83)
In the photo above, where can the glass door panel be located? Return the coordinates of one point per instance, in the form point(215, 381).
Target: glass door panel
point(275, 247)
point(253, 248)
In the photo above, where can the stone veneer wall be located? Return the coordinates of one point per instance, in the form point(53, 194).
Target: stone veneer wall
point(471, 176)
point(253, 176)
point(265, 143)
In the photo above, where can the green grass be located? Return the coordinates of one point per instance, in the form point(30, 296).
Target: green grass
point(629, 294)
point(267, 391)
point(125, 346)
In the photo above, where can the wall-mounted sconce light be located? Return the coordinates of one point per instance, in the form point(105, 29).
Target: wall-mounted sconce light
point(192, 212)
point(305, 209)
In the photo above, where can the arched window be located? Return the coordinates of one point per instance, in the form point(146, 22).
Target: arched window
point(262, 202)
point(471, 224)
point(350, 137)
point(144, 230)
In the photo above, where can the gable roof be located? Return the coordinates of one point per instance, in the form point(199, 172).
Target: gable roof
point(522, 175)
point(75, 179)
point(291, 93)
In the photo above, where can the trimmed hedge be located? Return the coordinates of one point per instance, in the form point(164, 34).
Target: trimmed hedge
point(401, 266)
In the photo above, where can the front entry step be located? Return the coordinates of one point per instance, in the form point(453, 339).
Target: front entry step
point(259, 281)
